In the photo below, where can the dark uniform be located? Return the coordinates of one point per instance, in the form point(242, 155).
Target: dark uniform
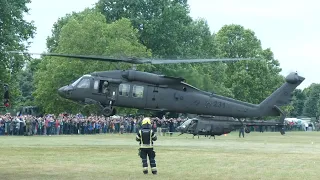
point(146, 136)
point(241, 131)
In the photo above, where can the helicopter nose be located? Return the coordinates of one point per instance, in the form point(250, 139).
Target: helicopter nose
point(62, 91)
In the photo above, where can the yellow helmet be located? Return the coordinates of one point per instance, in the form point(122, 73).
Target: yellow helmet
point(146, 121)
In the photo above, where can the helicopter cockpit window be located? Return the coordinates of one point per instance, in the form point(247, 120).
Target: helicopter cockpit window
point(186, 123)
point(124, 89)
point(84, 83)
point(137, 91)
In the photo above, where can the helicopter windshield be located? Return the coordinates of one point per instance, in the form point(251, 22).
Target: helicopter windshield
point(76, 82)
point(186, 123)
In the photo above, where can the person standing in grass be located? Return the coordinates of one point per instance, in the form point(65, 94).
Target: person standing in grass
point(146, 136)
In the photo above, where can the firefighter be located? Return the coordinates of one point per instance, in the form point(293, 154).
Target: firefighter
point(146, 136)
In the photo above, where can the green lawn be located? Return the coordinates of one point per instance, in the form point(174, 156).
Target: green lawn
point(258, 156)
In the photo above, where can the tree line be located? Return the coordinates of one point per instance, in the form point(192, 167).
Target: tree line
point(140, 28)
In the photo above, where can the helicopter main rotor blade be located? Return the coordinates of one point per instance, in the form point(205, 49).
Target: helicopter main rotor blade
point(136, 60)
point(86, 57)
point(173, 61)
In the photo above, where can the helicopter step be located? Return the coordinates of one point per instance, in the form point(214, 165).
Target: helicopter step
point(106, 110)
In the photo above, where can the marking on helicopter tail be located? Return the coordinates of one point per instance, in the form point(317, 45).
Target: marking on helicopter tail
point(218, 104)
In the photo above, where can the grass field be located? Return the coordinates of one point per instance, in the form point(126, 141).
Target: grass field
point(111, 156)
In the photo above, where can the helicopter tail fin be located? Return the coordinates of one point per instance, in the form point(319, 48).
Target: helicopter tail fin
point(282, 96)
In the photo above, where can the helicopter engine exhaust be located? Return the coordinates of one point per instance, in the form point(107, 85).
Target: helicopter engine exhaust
point(132, 75)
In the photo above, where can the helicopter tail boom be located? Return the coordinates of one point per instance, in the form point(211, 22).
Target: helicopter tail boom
point(282, 96)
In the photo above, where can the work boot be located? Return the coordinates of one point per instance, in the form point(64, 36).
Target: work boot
point(154, 170)
point(145, 170)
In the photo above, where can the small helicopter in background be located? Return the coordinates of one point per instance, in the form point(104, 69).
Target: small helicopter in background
point(148, 91)
point(217, 125)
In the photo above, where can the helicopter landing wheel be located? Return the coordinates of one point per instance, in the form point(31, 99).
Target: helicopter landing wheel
point(109, 111)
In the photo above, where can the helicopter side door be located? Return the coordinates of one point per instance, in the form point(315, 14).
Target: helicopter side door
point(155, 97)
point(104, 91)
point(152, 97)
point(98, 92)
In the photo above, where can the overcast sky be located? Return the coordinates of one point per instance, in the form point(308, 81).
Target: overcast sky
point(289, 27)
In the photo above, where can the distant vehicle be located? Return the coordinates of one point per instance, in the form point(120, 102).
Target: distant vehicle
point(218, 125)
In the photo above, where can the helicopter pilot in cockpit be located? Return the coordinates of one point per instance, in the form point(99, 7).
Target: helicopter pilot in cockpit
point(193, 125)
point(105, 87)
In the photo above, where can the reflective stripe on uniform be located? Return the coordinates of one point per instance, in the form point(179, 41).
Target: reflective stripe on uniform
point(150, 137)
point(146, 146)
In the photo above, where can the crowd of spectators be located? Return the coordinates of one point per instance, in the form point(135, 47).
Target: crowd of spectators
point(302, 125)
point(79, 124)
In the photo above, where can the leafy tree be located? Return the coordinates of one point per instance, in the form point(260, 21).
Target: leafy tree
point(26, 83)
point(311, 106)
point(252, 80)
point(298, 100)
point(14, 35)
point(52, 41)
point(77, 37)
point(166, 28)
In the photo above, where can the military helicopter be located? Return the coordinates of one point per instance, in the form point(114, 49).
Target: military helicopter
point(217, 125)
point(143, 90)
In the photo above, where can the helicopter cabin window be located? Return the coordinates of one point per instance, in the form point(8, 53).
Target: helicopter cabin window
point(84, 83)
point(137, 91)
point(96, 84)
point(124, 89)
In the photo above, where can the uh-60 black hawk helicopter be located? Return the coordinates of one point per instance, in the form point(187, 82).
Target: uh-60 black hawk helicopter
point(217, 125)
point(143, 90)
